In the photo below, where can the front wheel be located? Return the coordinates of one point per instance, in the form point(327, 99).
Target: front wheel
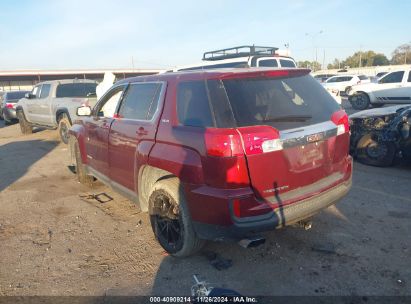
point(81, 171)
point(360, 101)
point(374, 153)
point(25, 126)
point(64, 126)
point(170, 219)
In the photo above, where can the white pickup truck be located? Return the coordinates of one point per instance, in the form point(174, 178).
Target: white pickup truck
point(53, 104)
point(392, 88)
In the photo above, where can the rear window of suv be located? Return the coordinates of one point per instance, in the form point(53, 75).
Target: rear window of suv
point(283, 103)
point(14, 95)
point(287, 63)
point(76, 89)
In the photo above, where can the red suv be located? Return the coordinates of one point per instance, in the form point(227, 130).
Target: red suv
point(218, 154)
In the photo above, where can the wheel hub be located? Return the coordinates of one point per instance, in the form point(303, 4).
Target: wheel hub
point(167, 221)
point(377, 150)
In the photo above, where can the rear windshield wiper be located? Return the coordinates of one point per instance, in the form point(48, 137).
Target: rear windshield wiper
point(288, 118)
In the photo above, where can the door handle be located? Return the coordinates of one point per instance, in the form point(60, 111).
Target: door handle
point(141, 131)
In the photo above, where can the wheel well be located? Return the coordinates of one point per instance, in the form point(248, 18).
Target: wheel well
point(147, 177)
point(362, 92)
point(60, 112)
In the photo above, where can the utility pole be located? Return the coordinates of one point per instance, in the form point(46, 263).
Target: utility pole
point(323, 61)
point(359, 65)
point(313, 36)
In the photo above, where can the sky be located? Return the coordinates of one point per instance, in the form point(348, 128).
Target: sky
point(86, 34)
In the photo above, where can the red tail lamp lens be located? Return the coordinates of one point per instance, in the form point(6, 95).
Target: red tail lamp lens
point(260, 139)
point(223, 142)
point(340, 118)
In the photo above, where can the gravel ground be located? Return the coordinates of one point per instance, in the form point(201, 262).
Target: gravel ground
point(55, 242)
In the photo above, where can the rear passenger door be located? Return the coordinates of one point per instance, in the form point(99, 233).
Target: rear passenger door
point(132, 134)
point(44, 107)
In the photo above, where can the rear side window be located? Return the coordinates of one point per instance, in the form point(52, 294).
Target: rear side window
point(45, 91)
point(394, 77)
point(409, 77)
point(193, 105)
point(363, 77)
point(282, 103)
point(76, 89)
point(287, 63)
point(335, 79)
point(268, 63)
point(140, 102)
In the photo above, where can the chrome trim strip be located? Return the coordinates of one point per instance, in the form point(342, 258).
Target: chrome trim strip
point(299, 136)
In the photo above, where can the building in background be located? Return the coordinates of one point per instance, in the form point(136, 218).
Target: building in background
point(25, 80)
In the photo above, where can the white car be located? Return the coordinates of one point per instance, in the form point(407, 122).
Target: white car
point(240, 57)
point(341, 84)
point(392, 88)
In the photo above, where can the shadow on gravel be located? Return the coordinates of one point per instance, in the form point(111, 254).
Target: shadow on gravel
point(17, 157)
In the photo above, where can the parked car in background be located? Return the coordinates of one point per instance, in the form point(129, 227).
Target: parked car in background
point(8, 105)
point(380, 135)
point(323, 77)
point(1, 101)
point(241, 57)
point(217, 154)
point(380, 74)
point(341, 83)
point(364, 79)
point(392, 88)
point(53, 104)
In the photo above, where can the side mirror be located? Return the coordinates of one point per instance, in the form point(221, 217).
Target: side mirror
point(83, 111)
point(29, 96)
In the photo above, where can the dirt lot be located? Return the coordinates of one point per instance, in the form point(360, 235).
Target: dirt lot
point(53, 242)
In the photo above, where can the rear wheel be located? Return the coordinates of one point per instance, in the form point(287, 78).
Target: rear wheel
point(64, 126)
point(170, 219)
point(374, 153)
point(1, 114)
point(25, 126)
point(81, 172)
point(360, 101)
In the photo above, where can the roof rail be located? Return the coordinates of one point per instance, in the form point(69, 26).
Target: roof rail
point(239, 51)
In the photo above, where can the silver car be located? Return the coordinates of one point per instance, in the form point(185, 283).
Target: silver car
point(8, 105)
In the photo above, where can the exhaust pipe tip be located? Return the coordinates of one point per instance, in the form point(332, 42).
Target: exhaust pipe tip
point(252, 242)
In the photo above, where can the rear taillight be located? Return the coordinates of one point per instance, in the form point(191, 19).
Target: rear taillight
point(340, 118)
point(223, 142)
point(251, 140)
point(260, 139)
point(10, 105)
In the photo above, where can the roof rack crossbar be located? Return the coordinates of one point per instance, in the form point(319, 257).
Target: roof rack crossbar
point(239, 51)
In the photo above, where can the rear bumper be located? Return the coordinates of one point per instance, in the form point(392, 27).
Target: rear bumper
point(279, 217)
point(9, 114)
